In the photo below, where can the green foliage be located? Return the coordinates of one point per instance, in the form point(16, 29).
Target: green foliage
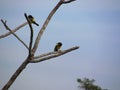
point(88, 84)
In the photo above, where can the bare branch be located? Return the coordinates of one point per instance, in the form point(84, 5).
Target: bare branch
point(54, 54)
point(7, 28)
point(69, 1)
point(44, 26)
point(43, 55)
point(31, 34)
point(14, 30)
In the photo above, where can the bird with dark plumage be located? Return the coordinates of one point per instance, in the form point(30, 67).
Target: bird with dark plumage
point(32, 20)
point(58, 46)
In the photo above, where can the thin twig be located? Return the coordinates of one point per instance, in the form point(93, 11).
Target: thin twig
point(59, 53)
point(31, 35)
point(14, 30)
point(7, 28)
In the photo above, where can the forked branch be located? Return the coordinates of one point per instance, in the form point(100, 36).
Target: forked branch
point(46, 23)
point(12, 32)
point(25, 63)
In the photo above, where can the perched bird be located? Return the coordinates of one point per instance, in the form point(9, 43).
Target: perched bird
point(58, 46)
point(32, 20)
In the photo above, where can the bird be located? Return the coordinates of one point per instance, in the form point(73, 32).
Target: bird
point(32, 20)
point(58, 46)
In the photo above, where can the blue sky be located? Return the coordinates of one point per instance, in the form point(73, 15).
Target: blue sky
point(93, 25)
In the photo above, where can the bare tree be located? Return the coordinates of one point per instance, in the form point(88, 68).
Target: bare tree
point(31, 58)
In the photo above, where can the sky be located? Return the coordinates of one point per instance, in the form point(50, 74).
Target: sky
point(94, 25)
